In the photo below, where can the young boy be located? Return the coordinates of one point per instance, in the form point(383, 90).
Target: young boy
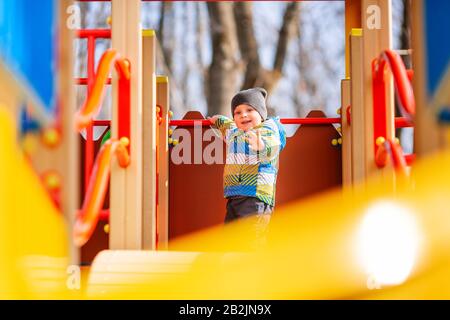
point(253, 148)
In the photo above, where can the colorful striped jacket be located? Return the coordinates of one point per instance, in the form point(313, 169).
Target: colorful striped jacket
point(247, 172)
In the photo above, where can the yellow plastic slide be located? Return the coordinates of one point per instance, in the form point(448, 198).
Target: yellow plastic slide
point(33, 235)
point(388, 239)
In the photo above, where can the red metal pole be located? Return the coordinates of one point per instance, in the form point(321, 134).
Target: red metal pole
point(409, 158)
point(124, 107)
point(379, 101)
point(101, 123)
point(84, 81)
point(96, 33)
point(401, 122)
point(89, 146)
point(189, 123)
point(315, 121)
point(104, 215)
point(310, 121)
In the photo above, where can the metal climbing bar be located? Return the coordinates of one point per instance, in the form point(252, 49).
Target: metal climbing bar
point(90, 213)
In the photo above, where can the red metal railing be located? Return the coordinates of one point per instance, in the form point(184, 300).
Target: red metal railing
point(91, 36)
point(403, 89)
point(402, 80)
point(206, 122)
point(87, 218)
point(400, 122)
point(390, 151)
point(404, 93)
point(97, 182)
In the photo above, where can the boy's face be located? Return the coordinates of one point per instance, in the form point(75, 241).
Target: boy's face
point(246, 117)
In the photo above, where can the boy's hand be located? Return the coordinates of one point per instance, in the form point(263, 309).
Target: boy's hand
point(213, 119)
point(254, 140)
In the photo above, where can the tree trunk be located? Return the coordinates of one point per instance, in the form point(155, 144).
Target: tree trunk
point(405, 44)
point(247, 43)
point(222, 73)
point(165, 35)
point(199, 44)
point(405, 37)
point(290, 20)
point(255, 74)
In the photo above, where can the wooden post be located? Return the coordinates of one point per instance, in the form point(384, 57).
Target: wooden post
point(69, 153)
point(162, 100)
point(149, 141)
point(358, 132)
point(126, 184)
point(60, 159)
point(10, 95)
point(346, 134)
point(428, 136)
point(352, 20)
point(14, 94)
point(377, 30)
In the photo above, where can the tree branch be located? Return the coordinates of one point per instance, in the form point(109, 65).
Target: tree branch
point(290, 21)
point(166, 40)
point(247, 43)
point(222, 75)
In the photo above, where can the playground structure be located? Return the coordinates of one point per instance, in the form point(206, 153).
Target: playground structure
point(154, 203)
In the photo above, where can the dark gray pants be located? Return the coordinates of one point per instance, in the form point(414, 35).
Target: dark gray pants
point(241, 207)
point(255, 210)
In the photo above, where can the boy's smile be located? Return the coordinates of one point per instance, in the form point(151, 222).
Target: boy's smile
point(246, 117)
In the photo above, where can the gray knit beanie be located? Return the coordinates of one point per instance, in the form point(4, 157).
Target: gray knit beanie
point(255, 97)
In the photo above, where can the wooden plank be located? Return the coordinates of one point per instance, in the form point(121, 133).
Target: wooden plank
point(377, 30)
point(346, 134)
point(126, 185)
point(427, 135)
point(149, 141)
point(358, 131)
point(59, 159)
point(69, 153)
point(118, 178)
point(11, 95)
point(352, 20)
point(162, 100)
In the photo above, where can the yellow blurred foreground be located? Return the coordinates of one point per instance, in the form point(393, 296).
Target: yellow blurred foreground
point(385, 240)
point(33, 236)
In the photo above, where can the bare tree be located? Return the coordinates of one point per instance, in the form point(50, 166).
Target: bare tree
point(405, 44)
point(405, 36)
point(235, 57)
point(224, 68)
point(199, 44)
point(222, 73)
point(255, 74)
point(165, 33)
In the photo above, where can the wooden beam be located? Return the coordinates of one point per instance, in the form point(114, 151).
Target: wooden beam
point(358, 132)
point(61, 158)
point(428, 136)
point(162, 100)
point(126, 184)
point(69, 153)
point(149, 141)
point(11, 95)
point(346, 134)
point(377, 31)
point(352, 21)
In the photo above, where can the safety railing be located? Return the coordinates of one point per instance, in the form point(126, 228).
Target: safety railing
point(391, 152)
point(391, 61)
point(88, 216)
point(91, 35)
point(97, 183)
